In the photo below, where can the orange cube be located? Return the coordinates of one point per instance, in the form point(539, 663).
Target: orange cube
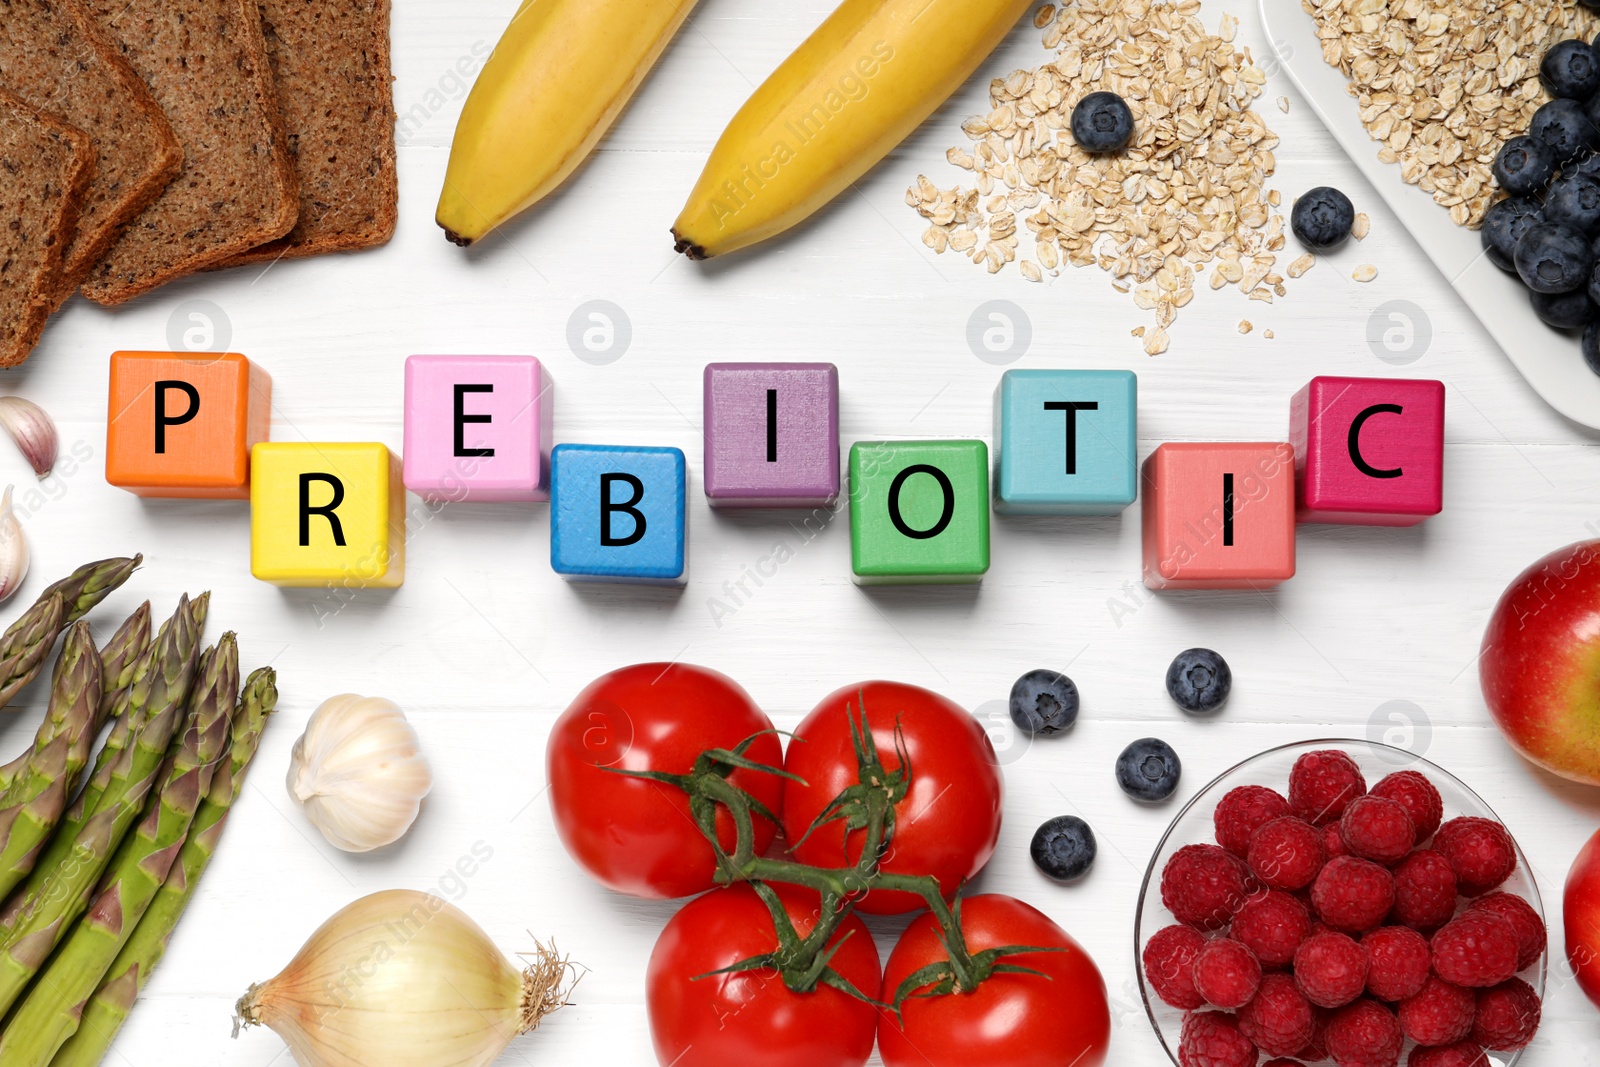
point(1218, 516)
point(182, 425)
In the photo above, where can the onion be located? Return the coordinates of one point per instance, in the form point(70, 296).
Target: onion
point(404, 979)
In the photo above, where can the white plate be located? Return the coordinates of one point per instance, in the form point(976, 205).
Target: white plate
point(1547, 358)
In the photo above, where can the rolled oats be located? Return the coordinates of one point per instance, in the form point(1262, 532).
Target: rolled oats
point(1365, 273)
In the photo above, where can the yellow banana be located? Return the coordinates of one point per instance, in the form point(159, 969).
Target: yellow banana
point(557, 80)
point(847, 96)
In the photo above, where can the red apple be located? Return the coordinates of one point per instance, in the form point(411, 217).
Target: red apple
point(1540, 663)
point(1581, 905)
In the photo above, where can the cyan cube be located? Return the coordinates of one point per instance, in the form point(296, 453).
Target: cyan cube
point(617, 514)
point(477, 428)
point(1066, 442)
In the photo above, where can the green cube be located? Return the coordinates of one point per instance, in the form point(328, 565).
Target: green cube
point(919, 512)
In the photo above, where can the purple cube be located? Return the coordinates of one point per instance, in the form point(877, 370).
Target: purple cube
point(772, 435)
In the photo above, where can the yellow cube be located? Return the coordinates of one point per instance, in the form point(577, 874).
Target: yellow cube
point(327, 514)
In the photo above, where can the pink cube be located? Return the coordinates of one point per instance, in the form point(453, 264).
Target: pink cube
point(1218, 516)
point(477, 428)
point(1369, 451)
point(771, 435)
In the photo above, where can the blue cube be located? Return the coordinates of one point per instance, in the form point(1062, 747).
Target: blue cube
point(617, 514)
point(1065, 442)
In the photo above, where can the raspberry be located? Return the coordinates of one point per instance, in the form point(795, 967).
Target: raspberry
point(1377, 829)
point(1417, 795)
point(1476, 950)
point(1531, 934)
point(1424, 890)
point(1480, 850)
point(1317, 1048)
point(1244, 810)
point(1226, 973)
point(1439, 1015)
point(1322, 784)
point(1330, 969)
point(1333, 841)
point(1365, 1035)
point(1169, 965)
point(1212, 1039)
point(1461, 1054)
point(1398, 962)
point(1204, 886)
point(1280, 1019)
point(1508, 1016)
point(1272, 926)
point(1287, 853)
point(1282, 1061)
point(1352, 895)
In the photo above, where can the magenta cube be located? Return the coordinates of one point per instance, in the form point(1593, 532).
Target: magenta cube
point(771, 435)
point(477, 428)
point(1368, 451)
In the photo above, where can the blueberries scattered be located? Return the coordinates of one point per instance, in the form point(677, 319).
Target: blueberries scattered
point(1199, 681)
point(1322, 218)
point(1564, 311)
point(1574, 200)
point(1570, 70)
point(1594, 275)
point(1552, 258)
point(1064, 848)
point(1102, 123)
point(1523, 167)
point(1503, 226)
point(1591, 346)
point(1565, 129)
point(1149, 770)
point(1044, 702)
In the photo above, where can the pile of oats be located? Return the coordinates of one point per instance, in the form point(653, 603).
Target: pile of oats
point(1190, 190)
point(1442, 84)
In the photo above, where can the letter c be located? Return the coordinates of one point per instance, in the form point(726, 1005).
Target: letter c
point(1354, 441)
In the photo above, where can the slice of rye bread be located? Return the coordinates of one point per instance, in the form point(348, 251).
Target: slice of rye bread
point(45, 170)
point(330, 63)
point(206, 63)
point(54, 56)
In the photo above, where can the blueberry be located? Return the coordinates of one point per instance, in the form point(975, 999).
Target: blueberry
point(1564, 311)
point(1591, 346)
point(1523, 167)
point(1064, 848)
point(1322, 218)
point(1149, 770)
point(1594, 275)
point(1570, 70)
point(1102, 123)
point(1565, 129)
point(1199, 681)
point(1503, 225)
point(1552, 258)
point(1589, 164)
point(1044, 702)
point(1575, 200)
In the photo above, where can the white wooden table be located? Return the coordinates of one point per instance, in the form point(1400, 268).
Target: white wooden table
point(484, 646)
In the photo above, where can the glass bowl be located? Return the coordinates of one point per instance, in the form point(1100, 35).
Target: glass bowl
point(1193, 825)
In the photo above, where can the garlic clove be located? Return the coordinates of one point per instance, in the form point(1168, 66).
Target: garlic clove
point(32, 430)
point(13, 548)
point(359, 773)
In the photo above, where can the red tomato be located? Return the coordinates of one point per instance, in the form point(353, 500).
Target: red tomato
point(948, 823)
point(751, 1018)
point(637, 836)
point(1020, 1020)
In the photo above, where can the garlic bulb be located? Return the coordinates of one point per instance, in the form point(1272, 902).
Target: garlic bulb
point(13, 548)
point(359, 772)
point(404, 979)
point(32, 430)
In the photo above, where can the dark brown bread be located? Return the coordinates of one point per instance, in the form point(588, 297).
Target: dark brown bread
point(330, 62)
point(45, 170)
point(54, 56)
point(205, 61)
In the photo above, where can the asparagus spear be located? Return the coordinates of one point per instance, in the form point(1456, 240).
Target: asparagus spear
point(122, 655)
point(50, 1013)
point(56, 894)
point(105, 1013)
point(26, 642)
point(35, 802)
